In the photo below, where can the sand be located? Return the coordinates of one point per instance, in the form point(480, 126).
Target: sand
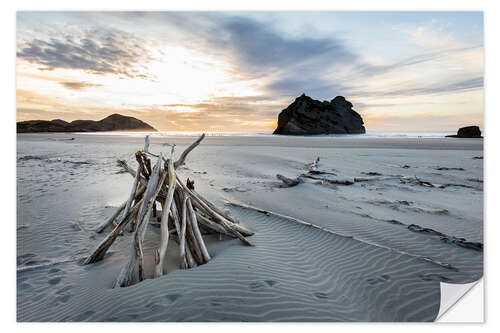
point(359, 265)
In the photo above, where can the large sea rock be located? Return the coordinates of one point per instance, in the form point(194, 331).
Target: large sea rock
point(467, 132)
point(115, 122)
point(309, 116)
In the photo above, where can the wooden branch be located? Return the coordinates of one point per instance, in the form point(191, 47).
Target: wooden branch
point(217, 217)
point(182, 235)
point(214, 208)
point(232, 222)
point(190, 237)
point(126, 276)
point(184, 154)
point(373, 179)
point(197, 232)
point(110, 220)
point(164, 220)
point(146, 143)
point(211, 225)
point(326, 180)
point(99, 253)
point(140, 161)
point(288, 182)
point(176, 217)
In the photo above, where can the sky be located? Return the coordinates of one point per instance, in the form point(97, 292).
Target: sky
point(235, 71)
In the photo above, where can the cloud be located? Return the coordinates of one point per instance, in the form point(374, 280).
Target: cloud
point(293, 65)
point(367, 69)
point(443, 88)
point(98, 51)
point(76, 85)
point(285, 65)
point(241, 113)
point(261, 47)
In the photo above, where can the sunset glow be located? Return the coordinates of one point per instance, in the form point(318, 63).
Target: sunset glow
point(232, 71)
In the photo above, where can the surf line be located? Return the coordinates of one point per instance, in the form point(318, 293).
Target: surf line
point(296, 220)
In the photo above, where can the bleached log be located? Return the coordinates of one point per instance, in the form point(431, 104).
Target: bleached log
point(288, 182)
point(197, 232)
point(126, 276)
point(231, 221)
point(217, 217)
point(184, 154)
point(182, 235)
point(189, 257)
point(176, 217)
point(99, 253)
point(146, 143)
point(164, 219)
point(372, 179)
point(190, 237)
point(110, 220)
point(212, 225)
point(331, 181)
point(213, 207)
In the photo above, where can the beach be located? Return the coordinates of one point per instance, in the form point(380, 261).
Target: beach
point(375, 250)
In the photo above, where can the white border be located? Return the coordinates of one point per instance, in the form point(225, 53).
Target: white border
point(8, 199)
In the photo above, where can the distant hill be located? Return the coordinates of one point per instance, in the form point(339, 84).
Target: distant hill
point(115, 122)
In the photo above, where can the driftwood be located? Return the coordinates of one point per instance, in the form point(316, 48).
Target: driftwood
point(288, 182)
point(184, 154)
point(104, 246)
point(189, 235)
point(330, 181)
point(188, 213)
point(164, 219)
point(111, 219)
point(182, 235)
point(217, 217)
point(373, 179)
point(231, 221)
point(197, 233)
point(212, 225)
point(126, 276)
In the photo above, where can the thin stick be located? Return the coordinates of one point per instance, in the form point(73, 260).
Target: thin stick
point(164, 220)
point(288, 182)
point(190, 237)
point(211, 225)
point(175, 217)
point(183, 233)
point(126, 276)
point(110, 220)
point(217, 217)
point(213, 207)
point(184, 154)
point(245, 232)
point(331, 181)
point(197, 232)
point(106, 243)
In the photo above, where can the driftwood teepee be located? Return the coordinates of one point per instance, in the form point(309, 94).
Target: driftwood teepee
point(185, 214)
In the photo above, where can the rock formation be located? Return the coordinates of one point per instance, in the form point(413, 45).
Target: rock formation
point(467, 132)
point(308, 116)
point(115, 122)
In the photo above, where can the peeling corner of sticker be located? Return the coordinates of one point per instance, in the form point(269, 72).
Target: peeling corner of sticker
point(451, 294)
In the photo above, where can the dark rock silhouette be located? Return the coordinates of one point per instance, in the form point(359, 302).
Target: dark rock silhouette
point(115, 122)
point(308, 116)
point(467, 132)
